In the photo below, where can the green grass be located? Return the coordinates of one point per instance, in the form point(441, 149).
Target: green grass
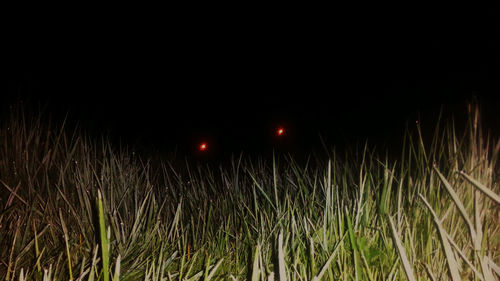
point(74, 208)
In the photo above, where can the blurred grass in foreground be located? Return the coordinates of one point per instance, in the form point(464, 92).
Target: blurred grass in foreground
point(78, 208)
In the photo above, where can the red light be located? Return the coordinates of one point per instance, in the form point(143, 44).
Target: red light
point(203, 146)
point(280, 131)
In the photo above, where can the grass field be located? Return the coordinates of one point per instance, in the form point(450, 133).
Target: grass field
point(74, 208)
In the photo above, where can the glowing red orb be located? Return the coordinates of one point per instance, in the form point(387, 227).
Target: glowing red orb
point(280, 131)
point(203, 146)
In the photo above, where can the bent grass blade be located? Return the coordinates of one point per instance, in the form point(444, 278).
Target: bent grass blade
point(443, 235)
point(402, 253)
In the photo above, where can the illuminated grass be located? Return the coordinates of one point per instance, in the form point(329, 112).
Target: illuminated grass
point(74, 208)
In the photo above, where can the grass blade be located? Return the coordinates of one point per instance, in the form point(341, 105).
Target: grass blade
point(214, 269)
point(281, 259)
point(402, 253)
point(458, 203)
point(66, 238)
point(104, 238)
point(482, 187)
point(116, 276)
point(255, 267)
point(327, 263)
point(493, 265)
point(355, 249)
point(443, 235)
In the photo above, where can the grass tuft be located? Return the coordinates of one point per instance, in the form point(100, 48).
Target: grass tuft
point(75, 208)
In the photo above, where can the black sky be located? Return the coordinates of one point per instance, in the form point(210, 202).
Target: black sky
point(230, 76)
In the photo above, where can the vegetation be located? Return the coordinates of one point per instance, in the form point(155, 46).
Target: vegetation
point(80, 209)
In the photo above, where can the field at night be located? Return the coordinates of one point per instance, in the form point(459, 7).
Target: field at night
point(265, 142)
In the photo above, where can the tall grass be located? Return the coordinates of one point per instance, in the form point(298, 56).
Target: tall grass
point(80, 209)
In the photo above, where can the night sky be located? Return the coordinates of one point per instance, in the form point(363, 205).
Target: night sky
point(230, 78)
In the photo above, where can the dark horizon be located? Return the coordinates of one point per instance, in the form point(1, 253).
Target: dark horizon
point(232, 84)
